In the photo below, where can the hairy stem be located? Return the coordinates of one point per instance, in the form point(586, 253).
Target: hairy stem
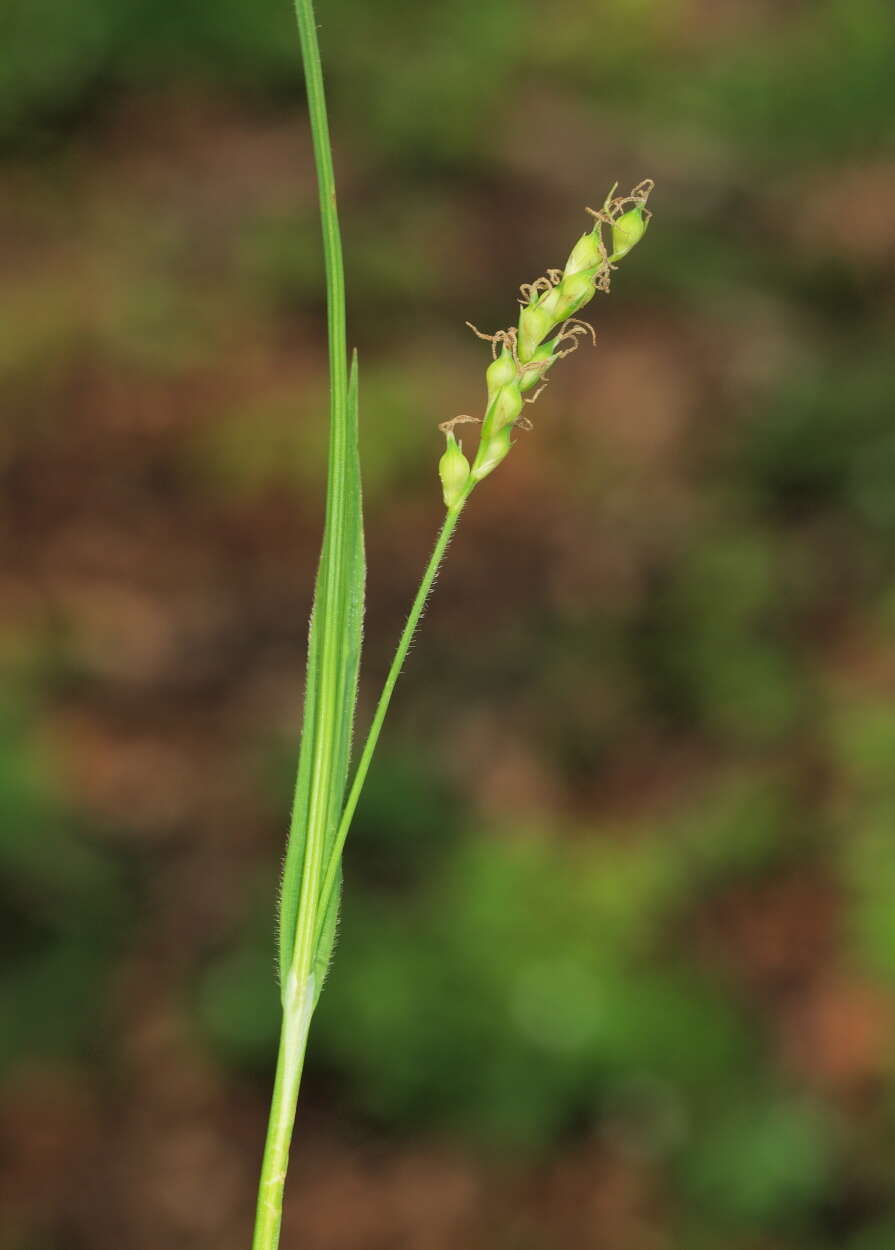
point(366, 756)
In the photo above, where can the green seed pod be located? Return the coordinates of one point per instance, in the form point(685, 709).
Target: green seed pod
point(499, 373)
point(506, 407)
point(531, 377)
point(573, 293)
point(534, 323)
point(492, 450)
point(453, 469)
point(586, 254)
point(551, 303)
point(628, 230)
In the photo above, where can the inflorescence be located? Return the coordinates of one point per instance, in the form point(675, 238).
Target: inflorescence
point(548, 329)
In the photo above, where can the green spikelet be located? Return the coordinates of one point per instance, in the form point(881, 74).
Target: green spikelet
point(453, 469)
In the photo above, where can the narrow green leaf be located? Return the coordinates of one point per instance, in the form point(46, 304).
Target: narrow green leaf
point(290, 884)
point(354, 566)
point(347, 549)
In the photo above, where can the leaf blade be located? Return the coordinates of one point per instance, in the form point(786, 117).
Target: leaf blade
point(346, 549)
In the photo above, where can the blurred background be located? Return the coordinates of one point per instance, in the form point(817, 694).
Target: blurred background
point(617, 958)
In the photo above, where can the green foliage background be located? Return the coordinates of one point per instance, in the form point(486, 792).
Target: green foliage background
point(617, 964)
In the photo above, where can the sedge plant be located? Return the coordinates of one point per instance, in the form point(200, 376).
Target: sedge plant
point(326, 795)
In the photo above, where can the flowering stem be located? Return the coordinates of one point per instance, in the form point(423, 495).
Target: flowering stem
point(391, 680)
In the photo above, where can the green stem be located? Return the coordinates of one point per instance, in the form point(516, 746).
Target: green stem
point(298, 987)
point(297, 1009)
point(366, 756)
